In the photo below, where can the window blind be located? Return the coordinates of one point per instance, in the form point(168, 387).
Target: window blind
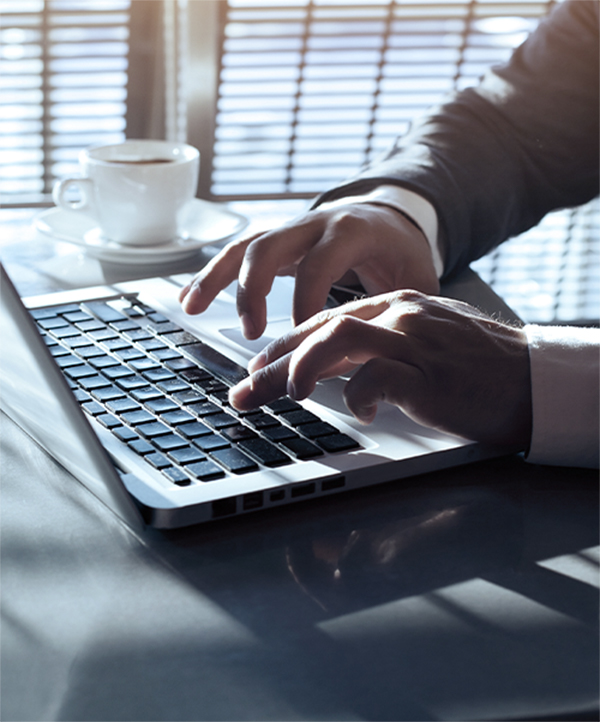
point(310, 90)
point(63, 86)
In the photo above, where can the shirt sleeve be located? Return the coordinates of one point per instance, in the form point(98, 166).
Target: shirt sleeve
point(565, 395)
point(404, 200)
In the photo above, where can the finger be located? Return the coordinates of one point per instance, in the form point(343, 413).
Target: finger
point(218, 273)
point(266, 257)
point(365, 309)
point(379, 380)
point(345, 338)
point(261, 387)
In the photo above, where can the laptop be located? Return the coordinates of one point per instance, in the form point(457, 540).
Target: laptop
point(130, 395)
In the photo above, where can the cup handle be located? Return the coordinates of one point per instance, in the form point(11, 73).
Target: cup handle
point(86, 189)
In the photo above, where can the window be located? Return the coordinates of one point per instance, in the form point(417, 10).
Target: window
point(63, 85)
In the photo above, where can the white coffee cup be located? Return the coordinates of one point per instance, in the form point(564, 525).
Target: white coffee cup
point(137, 191)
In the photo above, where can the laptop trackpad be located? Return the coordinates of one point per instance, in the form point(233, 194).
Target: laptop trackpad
point(275, 329)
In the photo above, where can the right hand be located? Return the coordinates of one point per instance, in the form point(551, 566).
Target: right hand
point(368, 242)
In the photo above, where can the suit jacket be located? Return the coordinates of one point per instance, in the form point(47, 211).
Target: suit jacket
point(493, 160)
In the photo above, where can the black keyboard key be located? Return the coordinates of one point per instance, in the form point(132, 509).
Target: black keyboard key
point(210, 442)
point(262, 421)
point(178, 338)
point(89, 352)
point(68, 360)
point(279, 433)
point(179, 364)
point(316, 429)
point(177, 418)
point(162, 325)
point(153, 344)
point(122, 405)
point(172, 386)
point(158, 460)
point(169, 442)
point(137, 334)
point(165, 354)
point(186, 455)
point(234, 460)
point(301, 448)
point(93, 408)
point(130, 383)
point(39, 313)
point(89, 326)
point(93, 382)
point(188, 396)
point(107, 393)
point(265, 452)
point(219, 365)
point(79, 372)
point(105, 334)
point(139, 416)
point(53, 322)
point(177, 476)
point(194, 375)
point(77, 341)
point(115, 372)
point(143, 364)
point(65, 332)
point(194, 430)
point(78, 317)
point(238, 432)
point(141, 447)
point(220, 421)
point(302, 416)
point(116, 344)
point(337, 442)
point(104, 362)
point(109, 421)
point(128, 353)
point(146, 393)
point(153, 429)
point(81, 396)
point(283, 405)
point(205, 470)
point(162, 405)
point(57, 350)
point(102, 311)
point(156, 374)
point(204, 408)
point(123, 433)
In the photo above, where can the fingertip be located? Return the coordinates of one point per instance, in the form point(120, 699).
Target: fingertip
point(258, 362)
point(239, 393)
point(365, 414)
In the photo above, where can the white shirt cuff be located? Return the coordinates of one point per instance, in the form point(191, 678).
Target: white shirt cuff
point(414, 205)
point(565, 395)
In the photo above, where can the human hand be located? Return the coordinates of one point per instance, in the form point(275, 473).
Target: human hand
point(444, 363)
point(382, 248)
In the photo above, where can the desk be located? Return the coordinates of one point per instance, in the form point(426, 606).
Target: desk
point(467, 594)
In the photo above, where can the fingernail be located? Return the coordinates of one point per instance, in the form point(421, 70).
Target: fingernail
point(291, 389)
point(248, 327)
point(258, 362)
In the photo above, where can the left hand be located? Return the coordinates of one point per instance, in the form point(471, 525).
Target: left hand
point(444, 363)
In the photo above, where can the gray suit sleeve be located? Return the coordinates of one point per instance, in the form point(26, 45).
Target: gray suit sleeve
point(495, 159)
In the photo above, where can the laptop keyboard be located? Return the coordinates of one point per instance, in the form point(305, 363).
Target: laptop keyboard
point(164, 393)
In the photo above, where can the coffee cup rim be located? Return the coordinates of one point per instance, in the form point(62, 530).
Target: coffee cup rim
point(188, 152)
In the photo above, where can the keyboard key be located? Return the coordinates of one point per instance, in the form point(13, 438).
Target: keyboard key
point(128, 354)
point(104, 362)
point(279, 433)
point(88, 326)
point(102, 311)
point(79, 372)
point(79, 317)
point(177, 476)
point(158, 460)
point(178, 338)
point(122, 405)
point(137, 334)
point(89, 352)
point(68, 360)
point(116, 372)
point(123, 433)
point(141, 447)
point(186, 455)
point(81, 396)
point(204, 408)
point(143, 364)
point(170, 442)
point(53, 322)
point(295, 418)
point(238, 432)
point(109, 421)
point(162, 405)
point(210, 442)
point(172, 385)
point(265, 452)
point(177, 418)
point(262, 421)
point(195, 374)
point(116, 344)
point(129, 383)
point(188, 396)
point(316, 429)
point(301, 448)
point(280, 406)
point(220, 421)
point(65, 332)
point(108, 393)
point(104, 334)
point(194, 430)
point(146, 393)
point(93, 382)
point(139, 416)
point(234, 460)
point(153, 429)
point(205, 470)
point(154, 375)
point(337, 442)
point(179, 364)
point(93, 408)
point(153, 344)
point(165, 354)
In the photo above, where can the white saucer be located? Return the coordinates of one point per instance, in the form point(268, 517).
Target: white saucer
point(207, 223)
